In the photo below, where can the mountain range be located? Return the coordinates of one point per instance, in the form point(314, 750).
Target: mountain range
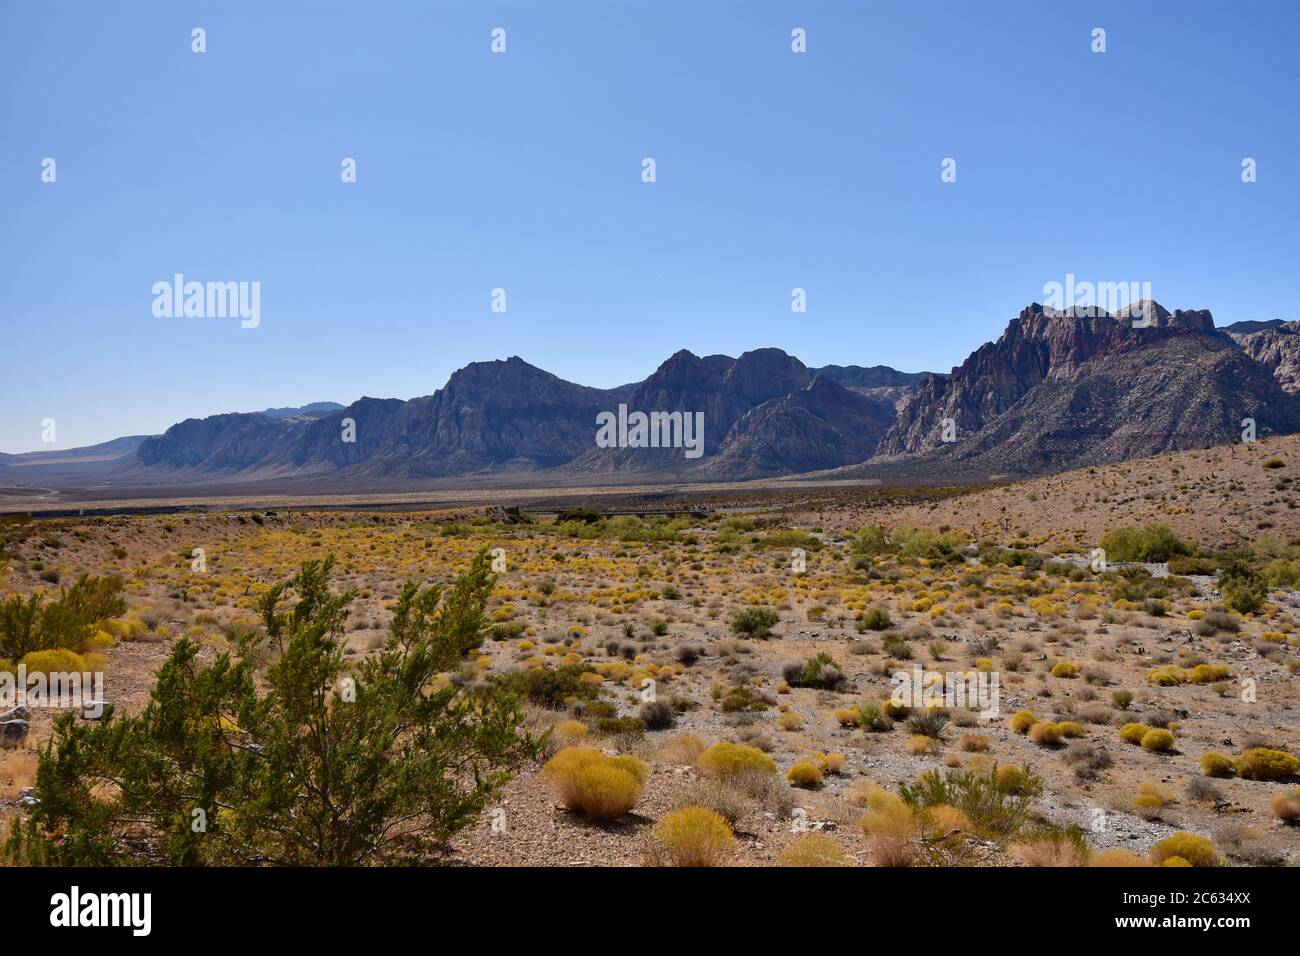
point(1058, 389)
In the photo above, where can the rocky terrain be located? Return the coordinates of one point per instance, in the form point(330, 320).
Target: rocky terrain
point(995, 580)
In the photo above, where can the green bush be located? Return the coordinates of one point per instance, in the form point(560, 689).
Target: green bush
point(820, 671)
point(1153, 543)
point(37, 624)
point(875, 619)
point(318, 760)
point(551, 687)
point(755, 622)
point(997, 809)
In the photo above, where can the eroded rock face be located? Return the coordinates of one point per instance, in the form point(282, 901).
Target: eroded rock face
point(823, 425)
point(1038, 346)
point(1275, 345)
point(1058, 389)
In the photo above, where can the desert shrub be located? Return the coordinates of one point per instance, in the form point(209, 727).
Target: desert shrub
point(58, 661)
point(1133, 733)
point(1286, 806)
point(1196, 850)
point(1070, 728)
point(655, 715)
point(896, 646)
point(1209, 673)
point(929, 724)
point(1117, 858)
point(602, 787)
point(1215, 621)
point(683, 749)
point(619, 726)
point(67, 622)
point(1063, 669)
point(570, 731)
point(1158, 739)
point(973, 743)
point(722, 798)
point(1245, 594)
point(875, 619)
point(994, 806)
point(726, 760)
point(893, 709)
point(789, 721)
point(1242, 588)
point(754, 622)
point(1051, 846)
point(890, 827)
point(743, 697)
point(921, 744)
point(694, 836)
point(804, 774)
point(287, 773)
point(1121, 699)
point(1013, 779)
point(1186, 565)
point(1217, 765)
point(1022, 720)
point(1153, 796)
point(1170, 675)
point(831, 762)
point(1262, 763)
point(553, 687)
point(1044, 732)
point(820, 671)
point(813, 849)
point(847, 716)
point(874, 720)
point(1154, 543)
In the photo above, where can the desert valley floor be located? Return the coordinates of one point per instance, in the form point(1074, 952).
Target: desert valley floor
point(994, 580)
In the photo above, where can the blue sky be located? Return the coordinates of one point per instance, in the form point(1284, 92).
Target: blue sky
point(523, 171)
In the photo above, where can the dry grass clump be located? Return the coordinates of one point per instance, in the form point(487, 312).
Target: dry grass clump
point(1158, 740)
point(1195, 850)
point(1217, 765)
point(1116, 858)
point(813, 849)
point(1055, 849)
point(1152, 799)
point(724, 799)
point(1022, 720)
point(1286, 806)
point(693, 836)
point(1262, 763)
point(890, 827)
point(973, 743)
point(1045, 733)
point(602, 787)
point(804, 774)
point(683, 750)
point(725, 760)
point(1133, 733)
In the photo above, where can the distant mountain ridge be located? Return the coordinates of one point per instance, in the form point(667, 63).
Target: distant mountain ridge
point(1058, 389)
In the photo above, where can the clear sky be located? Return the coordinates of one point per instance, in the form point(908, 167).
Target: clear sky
point(522, 171)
